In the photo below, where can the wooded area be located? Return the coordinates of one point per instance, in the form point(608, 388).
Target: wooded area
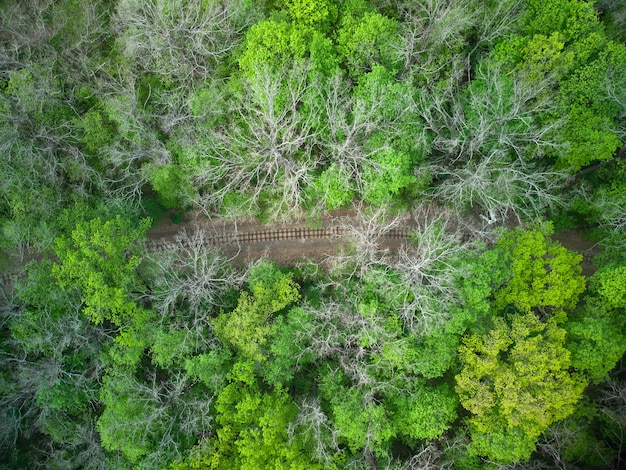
point(479, 344)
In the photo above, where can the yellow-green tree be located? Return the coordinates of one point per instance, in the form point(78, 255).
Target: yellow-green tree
point(515, 382)
point(543, 275)
point(247, 328)
point(100, 259)
point(252, 432)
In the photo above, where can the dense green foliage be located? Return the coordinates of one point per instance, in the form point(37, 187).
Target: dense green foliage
point(480, 343)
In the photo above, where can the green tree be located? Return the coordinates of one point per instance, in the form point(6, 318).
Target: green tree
point(592, 126)
point(94, 260)
point(170, 184)
point(152, 421)
point(252, 432)
point(543, 275)
point(388, 174)
point(376, 136)
point(99, 131)
point(515, 382)
point(272, 45)
point(363, 424)
point(575, 19)
point(597, 329)
point(364, 42)
point(50, 373)
point(248, 327)
point(320, 14)
point(100, 260)
point(563, 44)
point(333, 187)
point(425, 413)
point(288, 354)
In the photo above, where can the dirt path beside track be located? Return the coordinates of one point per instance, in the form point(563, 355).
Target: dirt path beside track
point(285, 243)
point(245, 241)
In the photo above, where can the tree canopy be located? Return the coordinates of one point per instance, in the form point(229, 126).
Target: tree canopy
point(458, 169)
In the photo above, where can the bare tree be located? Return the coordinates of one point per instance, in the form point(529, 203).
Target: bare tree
point(499, 189)
point(613, 409)
point(495, 112)
point(24, 33)
point(345, 332)
point(611, 208)
point(616, 10)
point(486, 142)
point(385, 109)
point(365, 235)
point(82, 451)
point(136, 143)
point(34, 361)
point(316, 429)
point(189, 279)
point(351, 121)
point(430, 268)
point(427, 456)
point(182, 39)
point(267, 147)
point(427, 265)
point(43, 165)
point(25, 409)
point(435, 50)
point(289, 123)
point(147, 417)
point(433, 41)
point(494, 20)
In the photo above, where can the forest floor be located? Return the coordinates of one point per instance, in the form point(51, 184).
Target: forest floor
point(573, 240)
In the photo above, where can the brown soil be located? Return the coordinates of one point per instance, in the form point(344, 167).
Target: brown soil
point(247, 240)
point(573, 240)
point(285, 242)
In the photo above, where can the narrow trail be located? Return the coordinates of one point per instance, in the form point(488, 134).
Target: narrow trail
point(285, 243)
point(281, 234)
point(245, 241)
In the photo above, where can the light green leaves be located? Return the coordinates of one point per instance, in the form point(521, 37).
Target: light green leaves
point(597, 330)
point(426, 413)
point(610, 283)
point(100, 259)
point(94, 260)
point(543, 274)
point(333, 186)
point(316, 13)
point(362, 424)
point(368, 41)
point(273, 45)
point(388, 174)
point(170, 184)
point(252, 431)
point(249, 326)
point(515, 382)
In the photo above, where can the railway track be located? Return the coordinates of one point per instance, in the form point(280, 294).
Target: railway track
point(281, 234)
point(234, 238)
point(227, 239)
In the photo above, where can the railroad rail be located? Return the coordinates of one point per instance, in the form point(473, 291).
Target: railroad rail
point(282, 234)
point(230, 238)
